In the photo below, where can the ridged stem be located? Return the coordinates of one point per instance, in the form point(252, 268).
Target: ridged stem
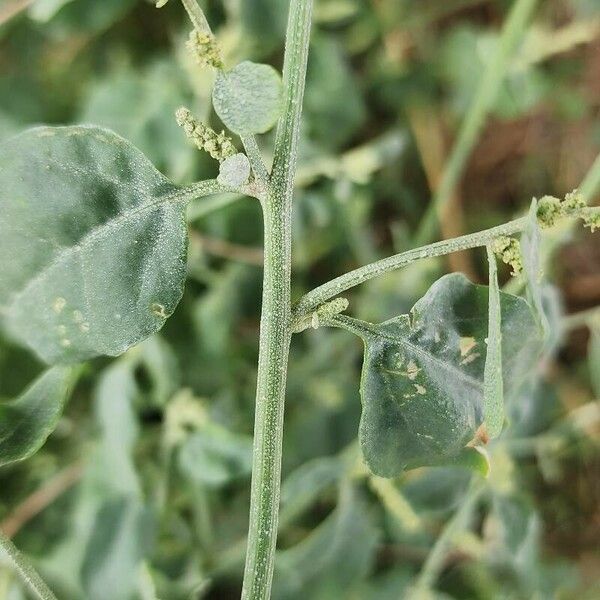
point(275, 327)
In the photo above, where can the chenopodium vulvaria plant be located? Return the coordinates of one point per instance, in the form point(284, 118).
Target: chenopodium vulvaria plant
point(94, 241)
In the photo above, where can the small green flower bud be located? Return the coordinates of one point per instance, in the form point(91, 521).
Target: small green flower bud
point(509, 251)
point(549, 210)
point(218, 145)
point(205, 50)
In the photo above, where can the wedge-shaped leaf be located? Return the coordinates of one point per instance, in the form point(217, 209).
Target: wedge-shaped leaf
point(422, 379)
point(493, 386)
point(248, 98)
point(93, 241)
point(27, 421)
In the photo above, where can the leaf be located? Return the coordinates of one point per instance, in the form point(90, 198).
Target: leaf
point(120, 539)
point(530, 248)
point(138, 104)
point(234, 171)
point(339, 551)
point(96, 239)
point(493, 388)
point(214, 456)
point(303, 486)
point(422, 378)
point(26, 422)
point(248, 98)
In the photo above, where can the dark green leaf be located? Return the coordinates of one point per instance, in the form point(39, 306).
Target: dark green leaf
point(26, 422)
point(96, 240)
point(248, 98)
point(422, 380)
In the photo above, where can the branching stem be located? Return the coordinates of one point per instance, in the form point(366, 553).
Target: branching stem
point(325, 292)
point(275, 327)
point(25, 571)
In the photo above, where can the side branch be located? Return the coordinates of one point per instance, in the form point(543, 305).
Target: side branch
point(325, 292)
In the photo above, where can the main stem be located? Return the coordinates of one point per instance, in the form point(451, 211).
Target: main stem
point(275, 326)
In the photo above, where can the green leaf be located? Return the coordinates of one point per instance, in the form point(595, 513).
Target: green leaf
point(96, 239)
point(339, 552)
point(493, 387)
point(530, 248)
point(234, 171)
point(214, 456)
point(248, 99)
point(422, 379)
point(120, 539)
point(27, 421)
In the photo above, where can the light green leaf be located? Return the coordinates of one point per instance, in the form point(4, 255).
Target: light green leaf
point(93, 240)
point(493, 387)
point(422, 379)
point(338, 552)
point(214, 456)
point(303, 486)
point(27, 421)
point(530, 248)
point(248, 98)
point(234, 171)
point(120, 539)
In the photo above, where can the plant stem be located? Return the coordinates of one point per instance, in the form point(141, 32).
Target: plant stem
point(259, 169)
point(275, 327)
point(25, 571)
point(351, 279)
point(514, 29)
point(197, 17)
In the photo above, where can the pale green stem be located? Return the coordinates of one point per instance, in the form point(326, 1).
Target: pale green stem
point(197, 17)
point(333, 288)
point(275, 327)
point(485, 96)
point(253, 152)
point(585, 318)
point(25, 571)
point(435, 560)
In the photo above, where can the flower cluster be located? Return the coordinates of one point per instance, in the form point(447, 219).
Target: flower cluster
point(205, 50)
point(218, 145)
point(509, 251)
point(551, 209)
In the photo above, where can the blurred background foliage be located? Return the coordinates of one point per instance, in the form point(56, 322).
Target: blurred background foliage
point(143, 489)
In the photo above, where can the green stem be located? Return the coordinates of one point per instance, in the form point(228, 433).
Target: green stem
point(259, 168)
point(197, 17)
point(275, 327)
point(351, 279)
point(25, 571)
point(514, 29)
